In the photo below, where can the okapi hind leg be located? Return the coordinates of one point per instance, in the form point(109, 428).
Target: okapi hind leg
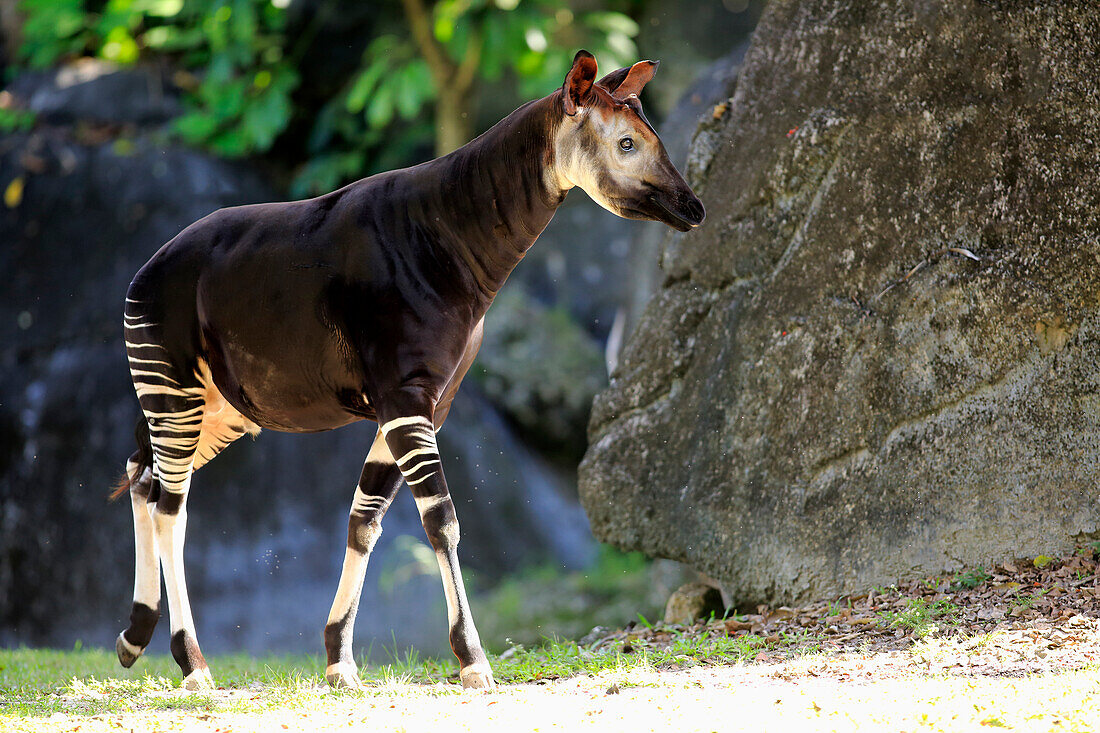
point(173, 399)
point(145, 612)
point(170, 519)
point(377, 486)
point(412, 441)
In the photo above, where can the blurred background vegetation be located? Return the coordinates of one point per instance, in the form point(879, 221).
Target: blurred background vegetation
point(197, 104)
point(414, 85)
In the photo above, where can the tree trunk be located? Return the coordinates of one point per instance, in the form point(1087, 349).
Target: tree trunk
point(11, 34)
point(453, 125)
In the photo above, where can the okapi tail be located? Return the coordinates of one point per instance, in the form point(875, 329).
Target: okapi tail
point(143, 457)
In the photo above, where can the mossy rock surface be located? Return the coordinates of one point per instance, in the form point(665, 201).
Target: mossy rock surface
point(879, 356)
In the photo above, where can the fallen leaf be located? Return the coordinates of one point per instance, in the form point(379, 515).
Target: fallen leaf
point(13, 194)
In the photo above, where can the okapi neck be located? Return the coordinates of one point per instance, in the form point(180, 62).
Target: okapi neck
point(497, 191)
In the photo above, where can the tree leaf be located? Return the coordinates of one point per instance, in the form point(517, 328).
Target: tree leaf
point(381, 108)
point(13, 194)
point(363, 85)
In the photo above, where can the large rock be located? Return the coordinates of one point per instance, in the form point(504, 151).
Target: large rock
point(710, 89)
point(879, 356)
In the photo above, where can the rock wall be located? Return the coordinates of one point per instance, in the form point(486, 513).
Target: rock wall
point(878, 357)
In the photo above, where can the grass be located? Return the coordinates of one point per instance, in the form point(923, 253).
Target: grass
point(545, 601)
point(1028, 599)
point(614, 690)
point(36, 682)
point(40, 682)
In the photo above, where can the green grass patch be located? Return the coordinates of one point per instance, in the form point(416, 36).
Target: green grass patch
point(41, 682)
point(35, 682)
point(557, 659)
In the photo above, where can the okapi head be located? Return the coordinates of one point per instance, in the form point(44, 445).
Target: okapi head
point(606, 146)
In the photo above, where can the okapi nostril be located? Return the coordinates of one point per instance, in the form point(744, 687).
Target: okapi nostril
point(696, 211)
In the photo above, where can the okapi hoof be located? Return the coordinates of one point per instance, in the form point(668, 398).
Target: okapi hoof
point(343, 676)
point(198, 680)
point(477, 677)
point(127, 652)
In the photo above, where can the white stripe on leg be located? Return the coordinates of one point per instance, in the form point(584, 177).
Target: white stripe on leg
point(147, 564)
point(170, 537)
point(171, 529)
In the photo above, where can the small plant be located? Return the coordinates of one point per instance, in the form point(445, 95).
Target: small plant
point(803, 643)
point(970, 578)
point(1027, 601)
point(981, 641)
point(918, 616)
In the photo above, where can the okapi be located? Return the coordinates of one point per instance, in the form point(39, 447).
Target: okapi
point(362, 304)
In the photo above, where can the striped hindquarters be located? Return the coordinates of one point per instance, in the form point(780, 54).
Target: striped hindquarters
point(189, 420)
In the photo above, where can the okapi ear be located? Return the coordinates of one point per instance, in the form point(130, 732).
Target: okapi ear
point(578, 82)
point(612, 81)
point(639, 75)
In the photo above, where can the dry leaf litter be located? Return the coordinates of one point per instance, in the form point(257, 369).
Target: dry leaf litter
point(1029, 616)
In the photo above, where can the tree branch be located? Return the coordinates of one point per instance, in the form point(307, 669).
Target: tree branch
point(464, 75)
point(419, 18)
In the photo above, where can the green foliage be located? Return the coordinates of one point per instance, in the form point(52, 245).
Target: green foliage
point(243, 100)
point(16, 120)
point(379, 117)
point(240, 96)
point(535, 39)
point(53, 29)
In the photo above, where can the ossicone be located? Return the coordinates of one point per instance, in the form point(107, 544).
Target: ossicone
point(578, 82)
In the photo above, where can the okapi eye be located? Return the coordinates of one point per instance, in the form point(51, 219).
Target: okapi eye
point(626, 143)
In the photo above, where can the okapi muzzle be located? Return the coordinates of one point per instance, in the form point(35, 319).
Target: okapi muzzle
point(366, 303)
point(607, 147)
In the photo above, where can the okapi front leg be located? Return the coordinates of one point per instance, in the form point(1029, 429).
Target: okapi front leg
point(412, 441)
point(146, 609)
point(378, 484)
